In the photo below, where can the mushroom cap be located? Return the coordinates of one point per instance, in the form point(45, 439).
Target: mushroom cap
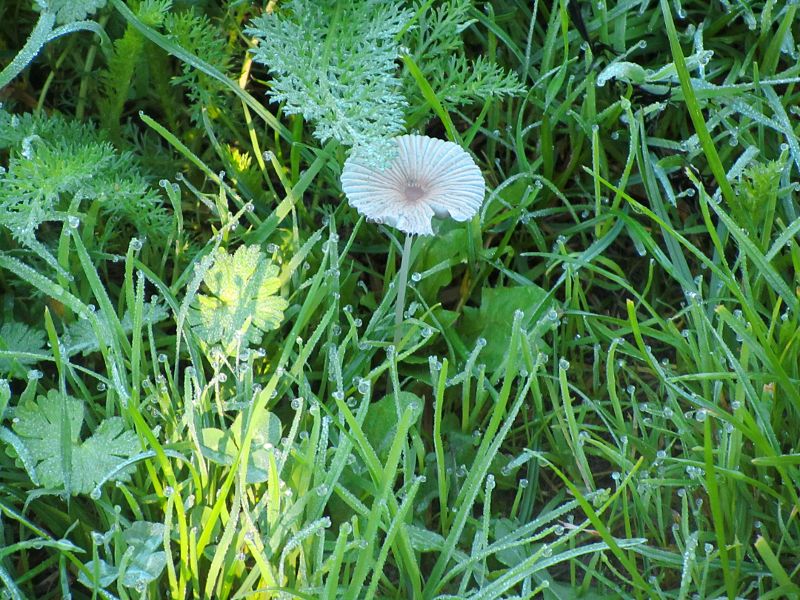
point(428, 177)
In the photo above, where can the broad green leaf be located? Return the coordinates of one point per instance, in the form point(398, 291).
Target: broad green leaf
point(424, 540)
point(513, 555)
point(492, 321)
point(449, 249)
point(624, 71)
point(218, 446)
point(380, 425)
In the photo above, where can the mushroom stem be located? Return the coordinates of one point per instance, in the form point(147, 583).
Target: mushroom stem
point(402, 281)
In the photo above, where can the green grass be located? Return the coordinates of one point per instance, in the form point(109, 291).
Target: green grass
point(595, 388)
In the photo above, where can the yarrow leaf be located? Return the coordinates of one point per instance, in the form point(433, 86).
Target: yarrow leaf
point(69, 11)
point(333, 61)
point(39, 425)
point(55, 165)
point(241, 303)
point(196, 33)
point(437, 47)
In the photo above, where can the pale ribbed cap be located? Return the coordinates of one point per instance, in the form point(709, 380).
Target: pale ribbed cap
point(428, 177)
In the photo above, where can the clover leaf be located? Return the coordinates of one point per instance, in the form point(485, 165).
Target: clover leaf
point(143, 543)
point(241, 303)
point(40, 425)
point(222, 447)
point(148, 558)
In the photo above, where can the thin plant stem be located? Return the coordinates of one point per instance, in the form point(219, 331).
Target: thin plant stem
point(401, 290)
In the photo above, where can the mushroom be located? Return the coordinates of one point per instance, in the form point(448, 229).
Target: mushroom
point(428, 177)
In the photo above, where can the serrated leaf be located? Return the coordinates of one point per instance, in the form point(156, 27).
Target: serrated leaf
point(79, 337)
point(39, 425)
point(19, 338)
point(110, 445)
point(241, 304)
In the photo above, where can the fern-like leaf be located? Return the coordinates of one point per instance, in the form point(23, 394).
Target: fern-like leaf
point(333, 61)
point(56, 166)
point(69, 11)
point(196, 33)
point(437, 47)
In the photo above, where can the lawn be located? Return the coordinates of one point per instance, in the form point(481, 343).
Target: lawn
point(364, 299)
